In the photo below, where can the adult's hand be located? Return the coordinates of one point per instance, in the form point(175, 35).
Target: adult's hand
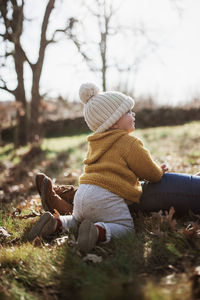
point(164, 168)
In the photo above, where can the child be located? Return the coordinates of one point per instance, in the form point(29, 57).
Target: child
point(114, 164)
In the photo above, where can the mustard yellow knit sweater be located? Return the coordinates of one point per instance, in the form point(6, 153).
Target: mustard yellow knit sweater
point(116, 160)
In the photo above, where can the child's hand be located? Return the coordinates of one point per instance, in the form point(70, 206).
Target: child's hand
point(164, 168)
point(56, 214)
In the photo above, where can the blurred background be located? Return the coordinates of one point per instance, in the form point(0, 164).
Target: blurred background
point(147, 49)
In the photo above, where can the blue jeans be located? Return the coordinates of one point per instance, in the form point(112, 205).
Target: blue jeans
point(178, 190)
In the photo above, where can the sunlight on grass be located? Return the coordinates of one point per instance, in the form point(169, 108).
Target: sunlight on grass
point(59, 144)
point(6, 151)
point(15, 226)
point(74, 146)
point(141, 266)
point(174, 145)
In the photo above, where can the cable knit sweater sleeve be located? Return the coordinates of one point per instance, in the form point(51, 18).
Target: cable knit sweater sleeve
point(141, 163)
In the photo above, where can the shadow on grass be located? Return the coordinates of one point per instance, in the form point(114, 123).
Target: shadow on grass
point(53, 166)
point(116, 277)
point(133, 267)
point(58, 163)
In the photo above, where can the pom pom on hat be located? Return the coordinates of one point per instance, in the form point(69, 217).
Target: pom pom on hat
point(87, 91)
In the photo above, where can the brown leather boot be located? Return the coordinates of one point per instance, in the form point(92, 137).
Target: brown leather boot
point(38, 181)
point(66, 192)
point(45, 226)
point(51, 201)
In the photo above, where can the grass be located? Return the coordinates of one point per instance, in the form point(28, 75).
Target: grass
point(154, 263)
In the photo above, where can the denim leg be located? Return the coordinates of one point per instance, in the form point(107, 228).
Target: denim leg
point(178, 190)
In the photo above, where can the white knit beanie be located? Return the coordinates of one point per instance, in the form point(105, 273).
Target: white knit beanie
point(103, 109)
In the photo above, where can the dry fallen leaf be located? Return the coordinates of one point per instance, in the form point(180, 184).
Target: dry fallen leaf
point(197, 270)
point(37, 242)
point(195, 280)
point(14, 241)
point(164, 222)
point(169, 217)
point(4, 234)
point(92, 258)
point(16, 212)
point(192, 231)
point(32, 214)
point(62, 240)
point(191, 214)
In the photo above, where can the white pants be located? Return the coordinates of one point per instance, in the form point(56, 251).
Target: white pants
point(102, 207)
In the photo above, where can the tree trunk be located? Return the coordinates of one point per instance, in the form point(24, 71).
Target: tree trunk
point(13, 27)
point(35, 104)
point(104, 64)
point(37, 70)
point(103, 48)
point(22, 128)
point(21, 132)
point(104, 78)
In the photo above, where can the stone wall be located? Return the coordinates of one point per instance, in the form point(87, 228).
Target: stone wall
point(144, 118)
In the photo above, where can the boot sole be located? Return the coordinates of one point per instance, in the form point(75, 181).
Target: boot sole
point(49, 228)
point(37, 228)
point(87, 236)
point(37, 181)
point(43, 194)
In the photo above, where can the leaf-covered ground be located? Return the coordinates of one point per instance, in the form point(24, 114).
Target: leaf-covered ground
point(160, 261)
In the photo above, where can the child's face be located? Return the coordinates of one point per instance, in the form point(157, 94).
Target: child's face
point(126, 122)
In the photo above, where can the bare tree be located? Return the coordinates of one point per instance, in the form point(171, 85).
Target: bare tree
point(3, 119)
point(12, 19)
point(178, 6)
point(103, 13)
point(13, 27)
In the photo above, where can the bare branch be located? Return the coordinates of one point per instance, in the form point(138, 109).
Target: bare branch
point(69, 27)
point(177, 7)
point(51, 41)
point(120, 69)
point(43, 41)
point(114, 10)
point(93, 13)
point(23, 53)
point(88, 60)
point(7, 54)
point(3, 11)
point(68, 31)
point(5, 88)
